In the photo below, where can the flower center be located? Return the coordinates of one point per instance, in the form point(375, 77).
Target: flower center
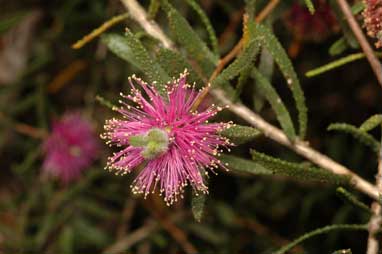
point(154, 143)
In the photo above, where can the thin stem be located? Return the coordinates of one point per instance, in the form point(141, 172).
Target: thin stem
point(272, 132)
point(373, 60)
point(376, 218)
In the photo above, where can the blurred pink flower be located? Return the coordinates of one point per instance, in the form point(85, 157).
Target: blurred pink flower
point(373, 20)
point(70, 147)
point(308, 27)
point(173, 144)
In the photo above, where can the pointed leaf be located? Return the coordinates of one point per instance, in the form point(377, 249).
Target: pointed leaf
point(268, 40)
point(239, 134)
point(277, 104)
point(361, 136)
point(310, 6)
point(189, 39)
point(298, 170)
point(129, 48)
point(371, 123)
point(237, 164)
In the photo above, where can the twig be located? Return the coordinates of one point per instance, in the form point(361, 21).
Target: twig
point(140, 15)
point(276, 134)
point(96, 32)
point(373, 60)
point(376, 218)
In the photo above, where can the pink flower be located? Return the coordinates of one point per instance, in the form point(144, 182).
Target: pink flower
point(70, 148)
point(172, 144)
point(373, 19)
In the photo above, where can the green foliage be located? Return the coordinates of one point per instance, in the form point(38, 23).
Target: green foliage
point(197, 205)
point(237, 164)
point(347, 196)
point(371, 123)
point(239, 134)
point(207, 24)
point(189, 39)
point(310, 6)
point(129, 48)
point(105, 102)
point(298, 170)
point(175, 63)
point(335, 64)
point(361, 136)
point(320, 231)
point(282, 114)
point(243, 61)
point(250, 8)
point(357, 7)
point(338, 47)
point(271, 43)
point(153, 8)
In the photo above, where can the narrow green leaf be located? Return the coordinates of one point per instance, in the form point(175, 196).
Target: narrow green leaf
point(320, 231)
point(277, 104)
point(250, 8)
point(243, 61)
point(197, 205)
point(239, 134)
point(237, 164)
point(175, 63)
point(357, 7)
point(207, 24)
point(371, 123)
point(243, 78)
point(129, 48)
point(269, 41)
point(347, 196)
point(66, 240)
point(298, 170)
point(189, 39)
point(361, 136)
point(335, 64)
point(105, 102)
point(153, 8)
point(338, 47)
point(310, 6)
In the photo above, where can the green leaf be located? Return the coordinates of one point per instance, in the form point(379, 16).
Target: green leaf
point(239, 134)
point(320, 231)
point(10, 20)
point(129, 48)
point(237, 164)
point(371, 123)
point(250, 8)
point(338, 47)
point(153, 8)
point(197, 203)
point(357, 7)
point(243, 78)
point(277, 104)
point(269, 41)
point(189, 39)
point(335, 64)
point(105, 102)
point(243, 61)
point(361, 136)
point(310, 6)
point(298, 170)
point(66, 240)
point(175, 63)
point(207, 24)
point(347, 196)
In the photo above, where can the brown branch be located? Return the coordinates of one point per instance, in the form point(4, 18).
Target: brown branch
point(373, 60)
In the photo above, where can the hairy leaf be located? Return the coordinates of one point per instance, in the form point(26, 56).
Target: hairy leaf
point(129, 48)
point(189, 39)
point(174, 63)
point(361, 136)
point(278, 106)
point(371, 123)
point(197, 203)
point(207, 24)
point(338, 47)
point(297, 170)
point(239, 134)
point(269, 40)
point(238, 164)
point(347, 196)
